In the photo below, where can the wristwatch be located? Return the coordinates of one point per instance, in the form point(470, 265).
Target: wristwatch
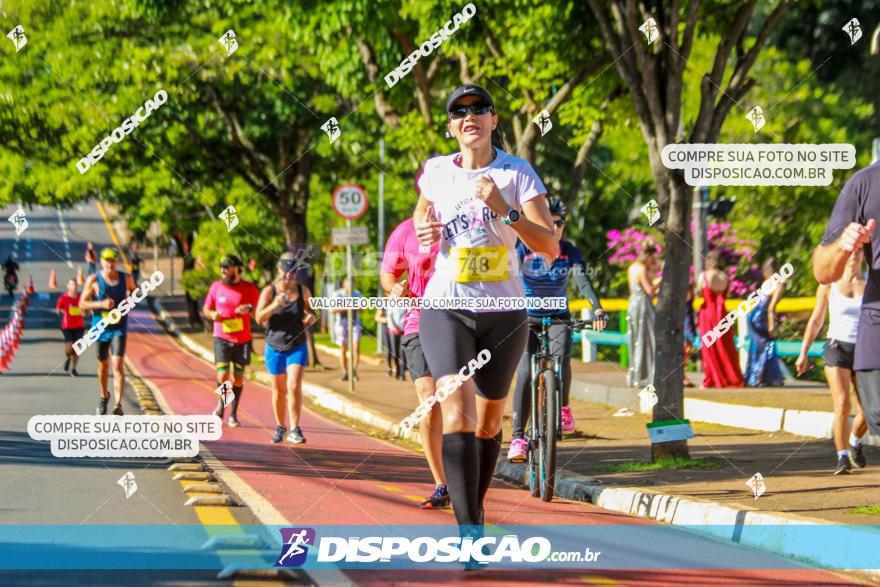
point(512, 216)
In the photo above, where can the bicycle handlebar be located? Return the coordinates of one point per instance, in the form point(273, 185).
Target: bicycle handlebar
point(572, 323)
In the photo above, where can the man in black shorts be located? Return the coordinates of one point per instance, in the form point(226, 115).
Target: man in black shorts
point(230, 304)
point(852, 226)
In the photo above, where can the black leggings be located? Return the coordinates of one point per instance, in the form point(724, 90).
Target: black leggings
point(450, 339)
point(560, 346)
point(394, 356)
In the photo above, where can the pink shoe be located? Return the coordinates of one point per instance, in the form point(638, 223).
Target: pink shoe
point(567, 421)
point(517, 451)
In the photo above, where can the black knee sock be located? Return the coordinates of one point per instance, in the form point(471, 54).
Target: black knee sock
point(487, 449)
point(236, 392)
point(461, 463)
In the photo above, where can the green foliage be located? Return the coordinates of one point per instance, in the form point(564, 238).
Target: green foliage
point(669, 463)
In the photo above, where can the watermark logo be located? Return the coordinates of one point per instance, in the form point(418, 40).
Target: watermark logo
point(128, 484)
point(230, 217)
point(331, 127)
point(229, 42)
point(647, 398)
point(115, 315)
point(224, 390)
point(465, 373)
point(295, 548)
point(854, 29)
point(747, 305)
point(426, 48)
point(19, 221)
point(756, 484)
point(651, 210)
point(756, 117)
point(123, 130)
point(543, 121)
point(649, 28)
point(17, 37)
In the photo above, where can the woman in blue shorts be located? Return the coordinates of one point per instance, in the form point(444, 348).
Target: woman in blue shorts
point(285, 309)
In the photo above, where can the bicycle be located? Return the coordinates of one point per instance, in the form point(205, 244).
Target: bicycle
point(545, 423)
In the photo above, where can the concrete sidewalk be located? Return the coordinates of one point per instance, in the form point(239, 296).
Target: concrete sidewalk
point(796, 469)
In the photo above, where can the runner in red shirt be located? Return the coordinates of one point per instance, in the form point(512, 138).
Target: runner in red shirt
point(230, 304)
point(72, 325)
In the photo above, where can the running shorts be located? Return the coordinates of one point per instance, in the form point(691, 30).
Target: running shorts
point(454, 337)
point(839, 354)
point(72, 334)
point(116, 344)
point(415, 356)
point(277, 362)
point(238, 354)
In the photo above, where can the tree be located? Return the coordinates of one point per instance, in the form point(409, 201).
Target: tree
point(654, 77)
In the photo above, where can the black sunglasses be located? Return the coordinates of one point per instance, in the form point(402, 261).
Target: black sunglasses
point(459, 112)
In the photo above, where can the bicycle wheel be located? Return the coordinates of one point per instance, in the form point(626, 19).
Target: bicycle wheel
point(535, 434)
point(549, 419)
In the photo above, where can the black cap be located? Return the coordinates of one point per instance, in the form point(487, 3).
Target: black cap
point(230, 260)
point(469, 90)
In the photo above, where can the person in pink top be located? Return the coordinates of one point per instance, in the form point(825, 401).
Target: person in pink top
point(403, 255)
point(72, 325)
point(230, 303)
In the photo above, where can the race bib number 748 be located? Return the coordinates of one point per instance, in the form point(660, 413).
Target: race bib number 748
point(480, 264)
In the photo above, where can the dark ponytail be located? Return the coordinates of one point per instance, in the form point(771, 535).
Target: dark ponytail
point(498, 140)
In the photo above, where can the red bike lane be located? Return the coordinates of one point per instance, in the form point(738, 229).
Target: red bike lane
point(341, 476)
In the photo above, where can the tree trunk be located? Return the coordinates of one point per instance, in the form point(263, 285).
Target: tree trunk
point(669, 320)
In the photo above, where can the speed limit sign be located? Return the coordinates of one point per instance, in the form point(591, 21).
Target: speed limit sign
point(350, 201)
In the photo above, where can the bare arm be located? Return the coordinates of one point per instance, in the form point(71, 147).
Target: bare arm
point(90, 289)
point(266, 306)
point(814, 325)
point(645, 281)
point(310, 316)
point(535, 229)
point(829, 260)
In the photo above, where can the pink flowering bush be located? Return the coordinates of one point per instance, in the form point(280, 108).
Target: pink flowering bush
point(736, 253)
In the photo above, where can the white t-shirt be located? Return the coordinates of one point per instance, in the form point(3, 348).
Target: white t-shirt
point(470, 223)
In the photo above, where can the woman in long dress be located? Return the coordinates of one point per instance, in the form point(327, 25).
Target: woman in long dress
point(643, 286)
point(720, 361)
point(763, 368)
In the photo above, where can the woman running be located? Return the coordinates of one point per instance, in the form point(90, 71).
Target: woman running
point(476, 203)
point(285, 310)
point(842, 300)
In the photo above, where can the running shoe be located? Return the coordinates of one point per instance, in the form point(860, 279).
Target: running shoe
point(117, 411)
point(102, 406)
point(345, 376)
point(73, 373)
point(233, 421)
point(67, 364)
point(517, 451)
point(439, 499)
point(296, 436)
point(843, 465)
point(279, 434)
point(857, 456)
point(567, 420)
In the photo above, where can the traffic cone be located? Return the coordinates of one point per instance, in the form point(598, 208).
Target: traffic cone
point(30, 286)
point(53, 280)
point(4, 358)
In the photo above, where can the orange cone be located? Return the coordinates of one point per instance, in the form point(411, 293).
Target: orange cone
point(30, 286)
point(4, 357)
point(53, 280)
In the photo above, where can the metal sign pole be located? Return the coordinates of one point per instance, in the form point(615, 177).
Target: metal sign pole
point(350, 315)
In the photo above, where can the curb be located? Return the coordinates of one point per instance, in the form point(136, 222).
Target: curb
point(812, 424)
point(736, 525)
